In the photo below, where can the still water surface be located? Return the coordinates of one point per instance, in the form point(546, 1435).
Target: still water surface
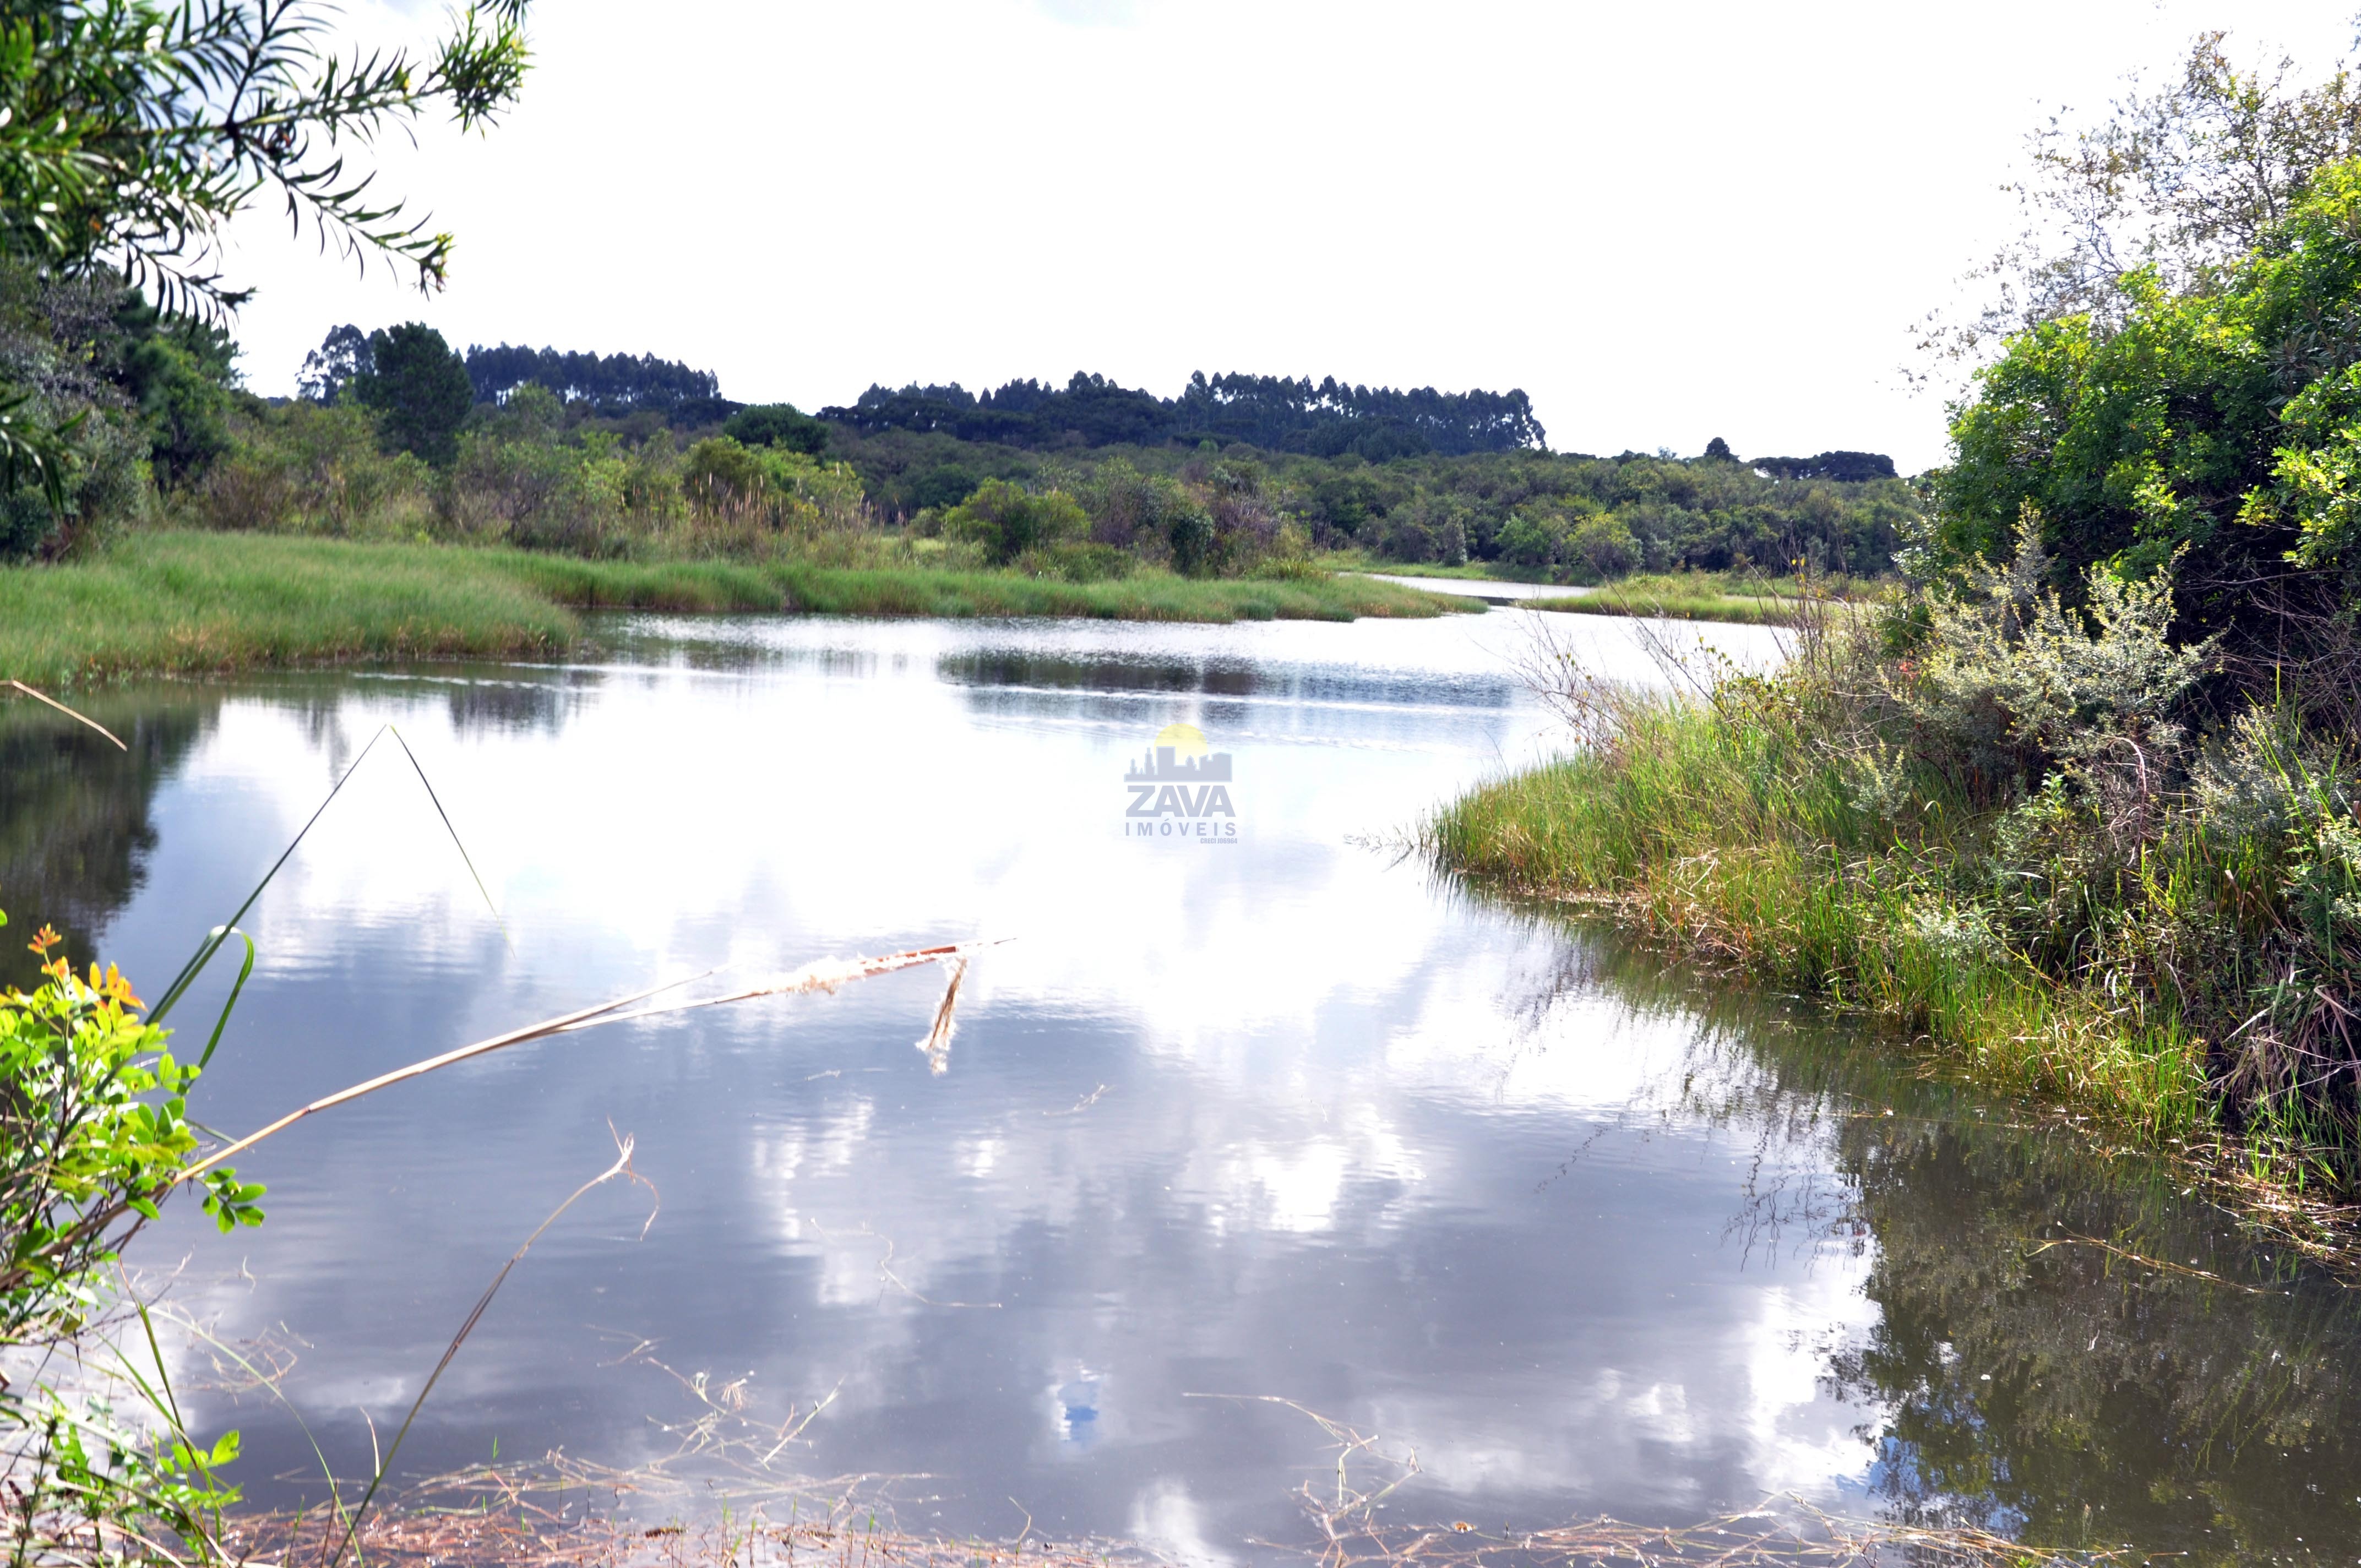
point(1269, 1114)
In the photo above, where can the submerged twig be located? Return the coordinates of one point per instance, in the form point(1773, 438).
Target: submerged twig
point(70, 713)
point(2162, 1266)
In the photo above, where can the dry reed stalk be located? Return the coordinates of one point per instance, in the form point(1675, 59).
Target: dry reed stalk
point(622, 1167)
point(70, 713)
point(823, 975)
point(1783, 1530)
point(827, 974)
point(564, 1511)
point(937, 1043)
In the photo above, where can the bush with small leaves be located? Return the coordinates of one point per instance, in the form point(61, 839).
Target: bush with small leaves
point(2008, 681)
point(93, 1136)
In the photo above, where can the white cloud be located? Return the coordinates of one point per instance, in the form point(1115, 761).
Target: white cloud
point(1091, 13)
point(1665, 222)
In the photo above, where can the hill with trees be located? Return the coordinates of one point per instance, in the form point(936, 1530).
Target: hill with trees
point(1234, 469)
point(1271, 412)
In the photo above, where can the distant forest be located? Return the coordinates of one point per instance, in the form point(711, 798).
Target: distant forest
point(1214, 479)
point(1275, 413)
point(610, 384)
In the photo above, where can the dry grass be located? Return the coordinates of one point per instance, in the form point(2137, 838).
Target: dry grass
point(523, 1534)
point(726, 1498)
point(1795, 1535)
point(475, 1522)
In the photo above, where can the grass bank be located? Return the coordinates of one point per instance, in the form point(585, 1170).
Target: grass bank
point(1748, 598)
point(1731, 597)
point(1704, 836)
point(2158, 929)
point(1472, 571)
point(197, 602)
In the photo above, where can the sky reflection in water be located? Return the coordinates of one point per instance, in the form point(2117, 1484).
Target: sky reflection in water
point(1278, 1117)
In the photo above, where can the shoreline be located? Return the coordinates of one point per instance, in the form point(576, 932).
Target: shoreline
point(190, 603)
point(1717, 893)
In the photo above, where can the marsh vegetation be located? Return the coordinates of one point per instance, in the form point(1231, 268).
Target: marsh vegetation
point(2077, 805)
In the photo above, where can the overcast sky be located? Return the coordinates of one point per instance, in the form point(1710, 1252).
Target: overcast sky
point(1666, 222)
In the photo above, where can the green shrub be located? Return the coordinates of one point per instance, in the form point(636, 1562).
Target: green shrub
point(87, 1148)
point(2007, 682)
point(1428, 528)
point(1605, 546)
point(302, 468)
point(1077, 562)
point(777, 424)
point(1007, 521)
point(1189, 537)
point(942, 487)
point(1530, 539)
point(722, 474)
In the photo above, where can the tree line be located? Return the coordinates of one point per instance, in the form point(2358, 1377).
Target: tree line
point(1328, 418)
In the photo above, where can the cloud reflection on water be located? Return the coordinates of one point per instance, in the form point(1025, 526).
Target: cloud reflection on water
point(1329, 1157)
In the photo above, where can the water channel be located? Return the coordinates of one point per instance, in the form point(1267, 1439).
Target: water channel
point(1257, 1109)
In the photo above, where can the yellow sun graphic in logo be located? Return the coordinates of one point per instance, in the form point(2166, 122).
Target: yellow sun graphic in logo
point(1186, 739)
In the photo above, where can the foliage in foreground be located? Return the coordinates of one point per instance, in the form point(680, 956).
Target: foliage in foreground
point(94, 1135)
point(132, 131)
point(2088, 816)
point(2212, 431)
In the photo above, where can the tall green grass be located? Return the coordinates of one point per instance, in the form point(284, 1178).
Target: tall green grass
point(1726, 840)
point(185, 603)
point(1739, 597)
point(1475, 571)
point(1145, 596)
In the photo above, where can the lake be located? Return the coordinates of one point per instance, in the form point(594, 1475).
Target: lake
point(1250, 1117)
